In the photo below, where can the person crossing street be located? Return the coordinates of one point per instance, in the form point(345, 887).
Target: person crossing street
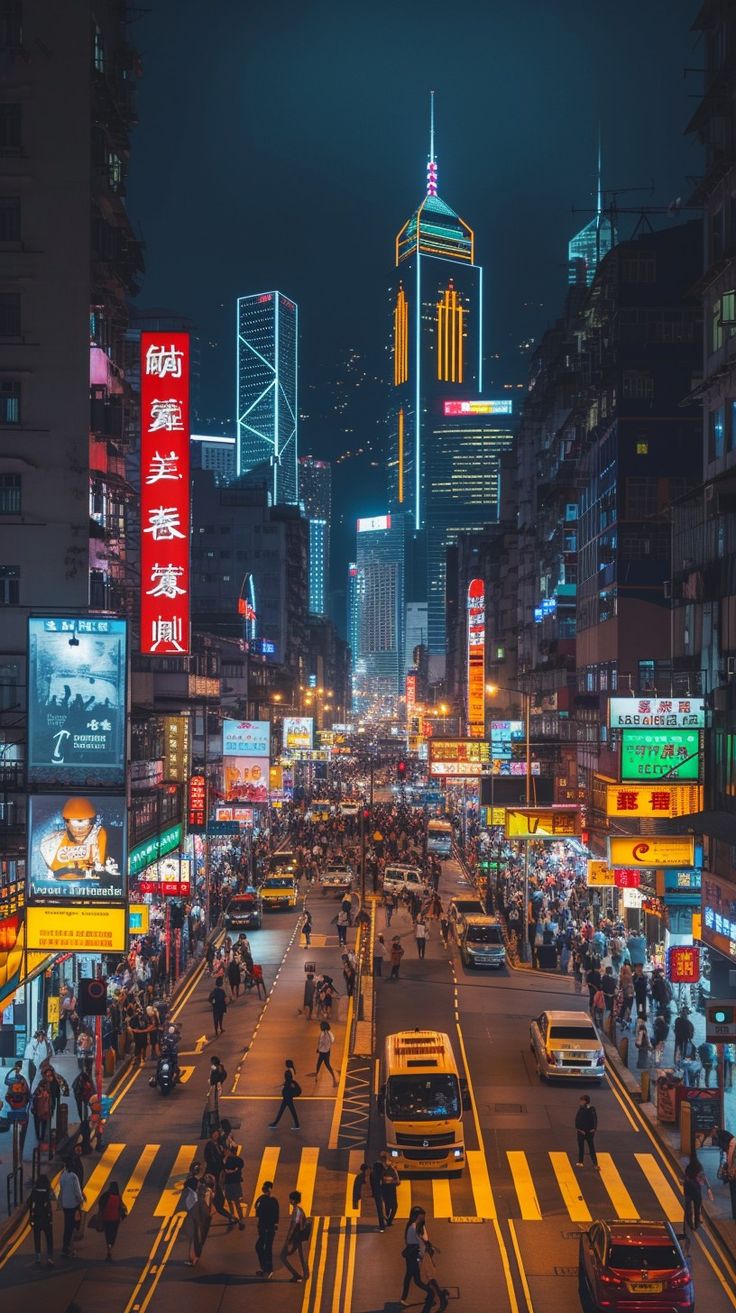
point(586, 1125)
point(267, 1213)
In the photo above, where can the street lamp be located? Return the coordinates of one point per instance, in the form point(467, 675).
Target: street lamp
point(492, 690)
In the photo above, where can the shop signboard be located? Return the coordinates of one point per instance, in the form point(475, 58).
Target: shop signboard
point(164, 493)
point(168, 878)
point(245, 778)
point(491, 815)
point(656, 713)
point(459, 757)
point(196, 804)
point(543, 822)
point(720, 1021)
point(683, 964)
point(650, 851)
point(223, 829)
point(276, 778)
point(653, 800)
point(505, 736)
point(626, 879)
point(633, 899)
point(76, 849)
point(411, 695)
point(246, 738)
point(176, 748)
point(476, 657)
point(242, 816)
point(76, 701)
point(298, 732)
point(660, 754)
point(139, 918)
point(599, 875)
point(144, 854)
point(12, 885)
point(77, 928)
point(679, 888)
point(718, 905)
point(504, 769)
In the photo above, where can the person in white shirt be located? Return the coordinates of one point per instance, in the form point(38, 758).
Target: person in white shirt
point(380, 953)
point(71, 1199)
point(420, 932)
point(325, 1041)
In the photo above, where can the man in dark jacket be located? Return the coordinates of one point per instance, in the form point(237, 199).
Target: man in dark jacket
point(640, 990)
point(218, 1003)
point(267, 1212)
point(586, 1125)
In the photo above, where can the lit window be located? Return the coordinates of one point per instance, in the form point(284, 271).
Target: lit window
point(9, 401)
point(642, 448)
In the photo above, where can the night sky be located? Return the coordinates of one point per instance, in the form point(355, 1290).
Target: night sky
point(283, 144)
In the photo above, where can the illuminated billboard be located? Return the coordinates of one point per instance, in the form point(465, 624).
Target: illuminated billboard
point(542, 822)
point(663, 800)
point(171, 877)
point(372, 523)
point(165, 493)
point(656, 713)
point(476, 657)
point(718, 908)
point(411, 694)
point(458, 757)
point(246, 778)
point(650, 851)
point(298, 732)
point(653, 754)
point(77, 929)
point(246, 738)
point(76, 700)
point(76, 849)
point(505, 406)
point(176, 748)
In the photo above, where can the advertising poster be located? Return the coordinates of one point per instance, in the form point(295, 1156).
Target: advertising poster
point(176, 748)
point(298, 732)
point(718, 906)
point(77, 929)
point(650, 851)
point(656, 713)
point(652, 754)
point(76, 848)
point(659, 800)
point(76, 701)
point(246, 779)
point(168, 878)
point(246, 738)
point(476, 657)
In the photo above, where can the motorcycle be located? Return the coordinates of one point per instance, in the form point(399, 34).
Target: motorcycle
point(167, 1073)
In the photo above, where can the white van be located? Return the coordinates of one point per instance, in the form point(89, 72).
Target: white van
point(396, 879)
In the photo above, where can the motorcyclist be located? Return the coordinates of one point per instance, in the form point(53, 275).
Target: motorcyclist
point(169, 1053)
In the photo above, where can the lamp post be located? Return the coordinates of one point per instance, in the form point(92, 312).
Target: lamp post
point(492, 689)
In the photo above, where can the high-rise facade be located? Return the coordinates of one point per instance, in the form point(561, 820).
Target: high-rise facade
point(266, 391)
point(380, 559)
point(315, 493)
point(214, 453)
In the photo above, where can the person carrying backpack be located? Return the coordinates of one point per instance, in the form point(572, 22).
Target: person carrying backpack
point(17, 1099)
point(112, 1212)
point(41, 1110)
point(41, 1218)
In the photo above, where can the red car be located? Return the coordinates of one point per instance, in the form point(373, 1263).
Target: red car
point(634, 1267)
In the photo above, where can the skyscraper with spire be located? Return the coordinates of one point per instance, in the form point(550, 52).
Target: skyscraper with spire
point(588, 247)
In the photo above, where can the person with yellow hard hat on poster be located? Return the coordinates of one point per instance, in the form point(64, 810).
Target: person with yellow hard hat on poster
point(79, 850)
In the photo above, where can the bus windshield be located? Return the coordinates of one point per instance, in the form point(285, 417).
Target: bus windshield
point(279, 882)
point(422, 1098)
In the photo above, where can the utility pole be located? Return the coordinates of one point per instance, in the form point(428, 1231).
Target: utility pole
point(525, 946)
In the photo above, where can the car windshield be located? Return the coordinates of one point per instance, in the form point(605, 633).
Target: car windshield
point(281, 860)
point(578, 1033)
point(651, 1257)
point(279, 882)
point(467, 905)
point(484, 934)
point(421, 1098)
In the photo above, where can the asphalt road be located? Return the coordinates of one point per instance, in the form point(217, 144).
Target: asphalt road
point(508, 1229)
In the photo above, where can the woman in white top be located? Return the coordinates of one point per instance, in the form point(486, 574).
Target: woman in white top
point(325, 1041)
point(420, 932)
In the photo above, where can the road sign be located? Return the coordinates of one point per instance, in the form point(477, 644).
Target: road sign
point(651, 851)
point(720, 1022)
point(542, 822)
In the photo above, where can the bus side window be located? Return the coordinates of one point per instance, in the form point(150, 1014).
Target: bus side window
point(465, 1096)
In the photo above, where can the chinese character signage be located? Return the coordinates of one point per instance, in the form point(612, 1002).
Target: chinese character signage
point(165, 493)
point(76, 850)
point(150, 850)
point(298, 732)
point(653, 754)
point(196, 804)
point(77, 929)
point(718, 907)
point(476, 656)
point(599, 874)
point(411, 695)
point(663, 800)
point(458, 757)
point(683, 964)
point(246, 738)
point(624, 878)
point(542, 822)
point(176, 748)
point(656, 713)
point(168, 878)
point(637, 851)
point(76, 701)
point(246, 778)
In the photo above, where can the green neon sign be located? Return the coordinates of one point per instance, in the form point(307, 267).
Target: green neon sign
point(660, 754)
point(144, 854)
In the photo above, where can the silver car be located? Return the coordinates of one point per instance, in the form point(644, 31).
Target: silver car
point(338, 875)
point(567, 1046)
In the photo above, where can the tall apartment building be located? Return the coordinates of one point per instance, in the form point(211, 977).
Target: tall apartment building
point(380, 558)
point(266, 416)
point(315, 494)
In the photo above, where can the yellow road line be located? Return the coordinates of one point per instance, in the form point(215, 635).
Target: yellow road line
point(356, 1158)
point(666, 1197)
point(503, 1251)
point(617, 1192)
point(441, 1199)
point(25, 1229)
point(403, 1199)
point(350, 1278)
point(324, 1249)
point(340, 1095)
point(126, 1086)
point(569, 1188)
point(485, 1204)
point(310, 1263)
point(524, 1186)
point(622, 1104)
point(337, 1306)
point(133, 1303)
point(266, 1171)
point(520, 1266)
point(138, 1176)
point(169, 1201)
point(307, 1177)
point(176, 1225)
point(100, 1173)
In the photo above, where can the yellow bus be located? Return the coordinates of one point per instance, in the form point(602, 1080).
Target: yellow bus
point(439, 838)
point(422, 1100)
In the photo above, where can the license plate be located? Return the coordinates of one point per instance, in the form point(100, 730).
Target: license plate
point(646, 1287)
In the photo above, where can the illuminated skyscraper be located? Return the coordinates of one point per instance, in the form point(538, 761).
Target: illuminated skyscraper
point(266, 400)
point(588, 247)
point(380, 557)
point(315, 493)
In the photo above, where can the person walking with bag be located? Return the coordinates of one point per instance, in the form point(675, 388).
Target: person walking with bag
point(693, 1183)
point(428, 1270)
point(325, 1041)
point(41, 1218)
point(586, 1125)
point(296, 1237)
point(290, 1090)
point(71, 1199)
point(412, 1254)
point(190, 1204)
point(218, 1003)
point(267, 1213)
point(307, 928)
point(112, 1212)
point(390, 1182)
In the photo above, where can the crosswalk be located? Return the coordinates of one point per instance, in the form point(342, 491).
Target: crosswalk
point(549, 1185)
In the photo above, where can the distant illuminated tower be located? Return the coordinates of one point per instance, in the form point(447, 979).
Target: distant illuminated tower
point(315, 493)
point(588, 247)
point(266, 392)
point(436, 300)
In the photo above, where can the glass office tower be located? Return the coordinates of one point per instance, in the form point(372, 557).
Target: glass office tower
point(266, 401)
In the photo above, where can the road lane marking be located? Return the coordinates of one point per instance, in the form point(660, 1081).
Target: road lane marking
point(140, 1171)
point(169, 1201)
point(322, 1264)
point(485, 1204)
point(126, 1086)
point(307, 1177)
point(403, 1199)
point(340, 1095)
point(337, 1306)
point(672, 1206)
point(266, 1172)
point(622, 1104)
point(357, 1156)
point(520, 1266)
point(441, 1199)
point(508, 1278)
point(100, 1173)
point(617, 1192)
point(569, 1188)
point(310, 1262)
point(524, 1186)
point(350, 1278)
point(172, 1235)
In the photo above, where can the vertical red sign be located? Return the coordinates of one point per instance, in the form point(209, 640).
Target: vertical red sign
point(476, 617)
point(165, 493)
point(197, 803)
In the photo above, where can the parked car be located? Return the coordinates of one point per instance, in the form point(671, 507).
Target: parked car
point(481, 941)
point(636, 1266)
point(397, 879)
point(337, 876)
point(459, 908)
point(566, 1045)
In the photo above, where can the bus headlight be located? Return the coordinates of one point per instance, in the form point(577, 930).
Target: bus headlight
point(394, 1153)
point(458, 1153)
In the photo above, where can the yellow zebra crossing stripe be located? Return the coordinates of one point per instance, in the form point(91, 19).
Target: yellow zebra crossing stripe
point(98, 1179)
point(480, 1181)
point(617, 1192)
point(441, 1198)
point(569, 1188)
point(169, 1201)
point(139, 1174)
point(307, 1177)
point(524, 1186)
point(666, 1197)
point(266, 1172)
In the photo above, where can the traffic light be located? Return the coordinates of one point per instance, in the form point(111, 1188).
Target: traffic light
point(92, 998)
point(366, 815)
point(401, 771)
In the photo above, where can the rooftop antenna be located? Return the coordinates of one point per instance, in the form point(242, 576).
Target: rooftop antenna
point(432, 163)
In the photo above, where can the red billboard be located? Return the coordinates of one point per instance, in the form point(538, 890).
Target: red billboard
point(196, 804)
point(683, 964)
point(476, 620)
point(165, 494)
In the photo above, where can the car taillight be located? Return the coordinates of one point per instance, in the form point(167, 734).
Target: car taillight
point(610, 1279)
point(681, 1278)
point(551, 1058)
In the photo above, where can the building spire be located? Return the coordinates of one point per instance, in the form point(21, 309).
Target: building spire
point(432, 162)
point(599, 198)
